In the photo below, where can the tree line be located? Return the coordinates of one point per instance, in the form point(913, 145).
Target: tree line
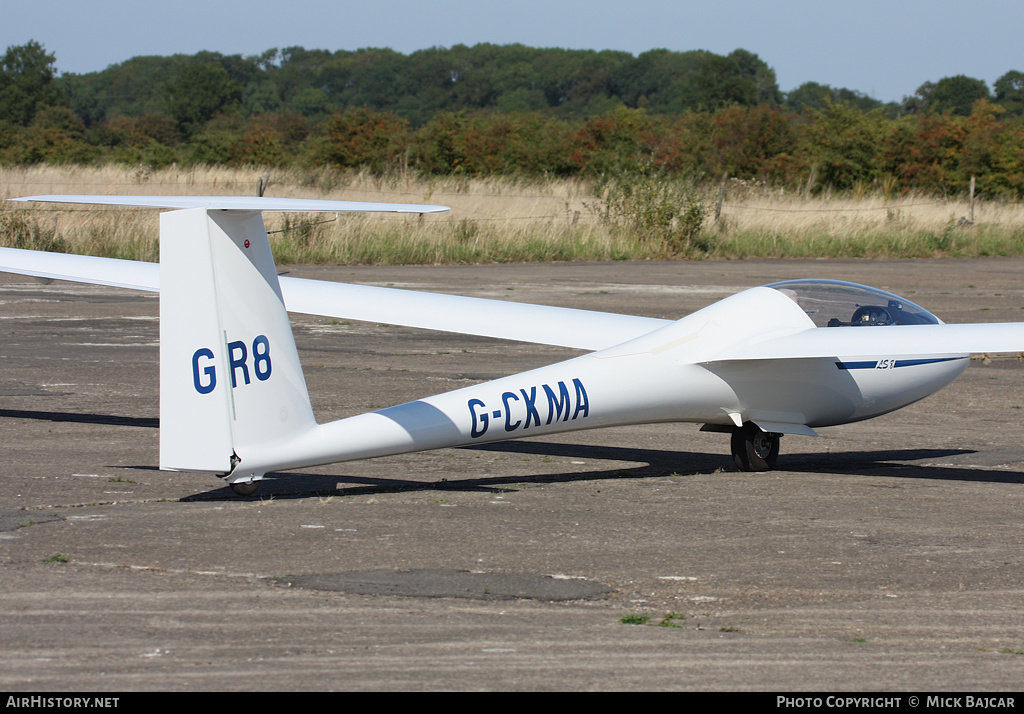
point(511, 109)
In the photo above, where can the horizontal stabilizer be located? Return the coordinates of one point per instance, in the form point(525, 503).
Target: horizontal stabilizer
point(241, 203)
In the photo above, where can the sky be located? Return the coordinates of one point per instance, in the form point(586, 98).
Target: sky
point(883, 48)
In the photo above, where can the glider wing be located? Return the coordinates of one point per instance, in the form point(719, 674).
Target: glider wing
point(540, 324)
point(884, 341)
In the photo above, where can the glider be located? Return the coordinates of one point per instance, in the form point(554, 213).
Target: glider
point(784, 358)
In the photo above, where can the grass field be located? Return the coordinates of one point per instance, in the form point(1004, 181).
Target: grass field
point(501, 220)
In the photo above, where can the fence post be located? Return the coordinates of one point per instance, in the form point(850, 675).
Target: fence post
point(721, 196)
point(970, 218)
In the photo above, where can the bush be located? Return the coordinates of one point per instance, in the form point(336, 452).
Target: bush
point(665, 212)
point(843, 144)
point(16, 231)
point(360, 138)
point(614, 142)
point(486, 144)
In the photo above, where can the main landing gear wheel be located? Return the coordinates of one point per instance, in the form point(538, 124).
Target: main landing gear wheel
point(243, 488)
point(754, 449)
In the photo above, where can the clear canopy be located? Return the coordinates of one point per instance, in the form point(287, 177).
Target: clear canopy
point(834, 303)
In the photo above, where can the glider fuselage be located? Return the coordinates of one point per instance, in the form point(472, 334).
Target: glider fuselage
point(671, 374)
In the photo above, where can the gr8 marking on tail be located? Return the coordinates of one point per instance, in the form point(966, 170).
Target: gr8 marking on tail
point(204, 375)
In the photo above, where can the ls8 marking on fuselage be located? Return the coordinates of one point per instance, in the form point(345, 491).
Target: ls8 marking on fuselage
point(523, 409)
point(204, 370)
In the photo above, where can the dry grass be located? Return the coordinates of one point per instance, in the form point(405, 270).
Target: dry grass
point(496, 220)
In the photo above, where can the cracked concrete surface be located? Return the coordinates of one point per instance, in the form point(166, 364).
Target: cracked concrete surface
point(886, 555)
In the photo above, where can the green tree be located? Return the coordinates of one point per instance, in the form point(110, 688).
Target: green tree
point(720, 83)
point(753, 68)
point(198, 92)
point(950, 94)
point(957, 94)
point(811, 95)
point(659, 80)
point(133, 88)
point(26, 83)
point(300, 72)
point(1010, 92)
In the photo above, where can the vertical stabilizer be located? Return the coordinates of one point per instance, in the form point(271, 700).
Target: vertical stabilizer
point(229, 372)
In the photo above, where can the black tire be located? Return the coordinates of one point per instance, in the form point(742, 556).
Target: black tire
point(245, 489)
point(754, 449)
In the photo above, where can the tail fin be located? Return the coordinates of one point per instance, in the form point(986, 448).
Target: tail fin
point(231, 385)
point(229, 370)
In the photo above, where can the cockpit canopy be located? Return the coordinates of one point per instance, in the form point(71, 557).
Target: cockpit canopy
point(834, 303)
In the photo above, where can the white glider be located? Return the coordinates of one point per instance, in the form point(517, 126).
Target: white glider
point(785, 358)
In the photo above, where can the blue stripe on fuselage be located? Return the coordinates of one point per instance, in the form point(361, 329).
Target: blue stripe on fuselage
point(892, 364)
point(857, 365)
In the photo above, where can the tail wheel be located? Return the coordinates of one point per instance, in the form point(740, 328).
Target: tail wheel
point(754, 449)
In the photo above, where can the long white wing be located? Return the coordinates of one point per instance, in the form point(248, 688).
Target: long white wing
point(541, 324)
point(885, 341)
point(131, 274)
